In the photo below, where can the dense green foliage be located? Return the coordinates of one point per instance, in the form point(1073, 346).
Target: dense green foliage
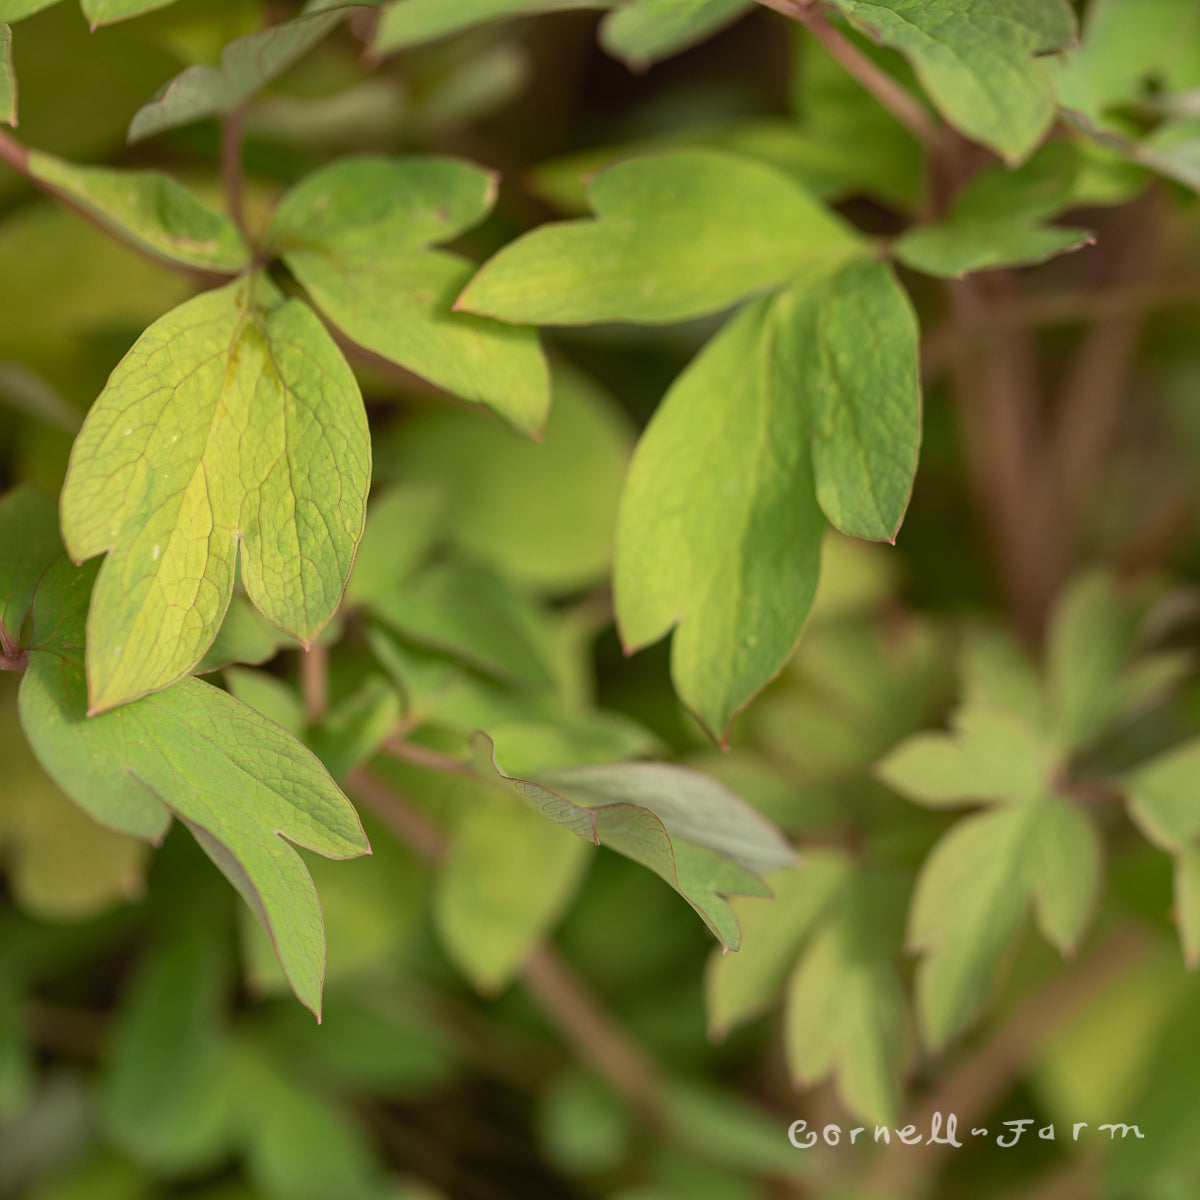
point(441, 443)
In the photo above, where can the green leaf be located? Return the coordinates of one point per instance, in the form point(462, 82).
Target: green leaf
point(846, 1014)
point(269, 695)
point(245, 636)
point(508, 878)
point(690, 830)
point(962, 245)
point(739, 986)
point(105, 12)
point(403, 525)
point(26, 392)
point(543, 514)
point(977, 60)
point(641, 32)
point(357, 236)
point(1163, 804)
point(166, 1098)
point(247, 64)
point(8, 79)
point(673, 238)
point(234, 422)
point(357, 726)
point(411, 22)
point(14, 10)
point(238, 782)
point(29, 543)
point(148, 209)
point(972, 892)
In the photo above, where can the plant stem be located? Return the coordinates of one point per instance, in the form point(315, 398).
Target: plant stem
point(432, 760)
point(233, 129)
point(16, 155)
point(905, 107)
point(561, 995)
point(314, 682)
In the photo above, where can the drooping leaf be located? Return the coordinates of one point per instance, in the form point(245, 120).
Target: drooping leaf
point(411, 22)
point(846, 1014)
point(693, 832)
point(8, 79)
point(973, 889)
point(740, 986)
point(29, 543)
point(641, 32)
point(105, 12)
point(671, 240)
point(977, 60)
point(962, 245)
point(238, 782)
point(508, 877)
point(247, 64)
point(149, 209)
point(234, 422)
point(544, 514)
point(358, 233)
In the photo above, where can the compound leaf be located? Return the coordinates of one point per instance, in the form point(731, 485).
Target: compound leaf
point(705, 841)
point(411, 22)
point(641, 32)
point(676, 235)
point(240, 783)
point(247, 64)
point(150, 210)
point(233, 422)
point(977, 60)
point(357, 235)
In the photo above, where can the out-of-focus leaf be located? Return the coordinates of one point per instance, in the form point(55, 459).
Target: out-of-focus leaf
point(742, 985)
point(962, 245)
point(233, 429)
point(104, 12)
point(508, 878)
point(245, 636)
point(403, 524)
point(14, 10)
point(978, 61)
point(356, 727)
point(267, 693)
point(29, 543)
point(247, 64)
point(641, 32)
point(543, 514)
point(582, 1128)
point(669, 241)
point(149, 209)
point(8, 79)
point(27, 392)
point(239, 782)
point(703, 840)
point(358, 234)
point(411, 22)
point(104, 1178)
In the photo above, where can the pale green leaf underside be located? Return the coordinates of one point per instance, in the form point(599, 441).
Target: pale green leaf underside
point(104, 12)
point(411, 22)
point(233, 426)
point(8, 79)
point(693, 832)
point(962, 245)
point(671, 240)
point(149, 209)
point(356, 235)
point(973, 890)
point(643, 31)
point(508, 877)
point(977, 59)
point(239, 782)
point(247, 64)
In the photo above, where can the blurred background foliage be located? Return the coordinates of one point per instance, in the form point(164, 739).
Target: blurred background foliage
point(148, 1045)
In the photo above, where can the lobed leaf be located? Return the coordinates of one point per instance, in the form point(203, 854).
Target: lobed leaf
point(357, 234)
point(641, 32)
point(150, 210)
point(978, 60)
point(693, 832)
point(240, 783)
point(410, 22)
point(672, 239)
point(232, 429)
point(247, 64)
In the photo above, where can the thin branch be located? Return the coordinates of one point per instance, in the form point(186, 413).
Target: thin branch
point(560, 994)
point(233, 129)
point(314, 682)
point(17, 157)
point(905, 107)
point(432, 760)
